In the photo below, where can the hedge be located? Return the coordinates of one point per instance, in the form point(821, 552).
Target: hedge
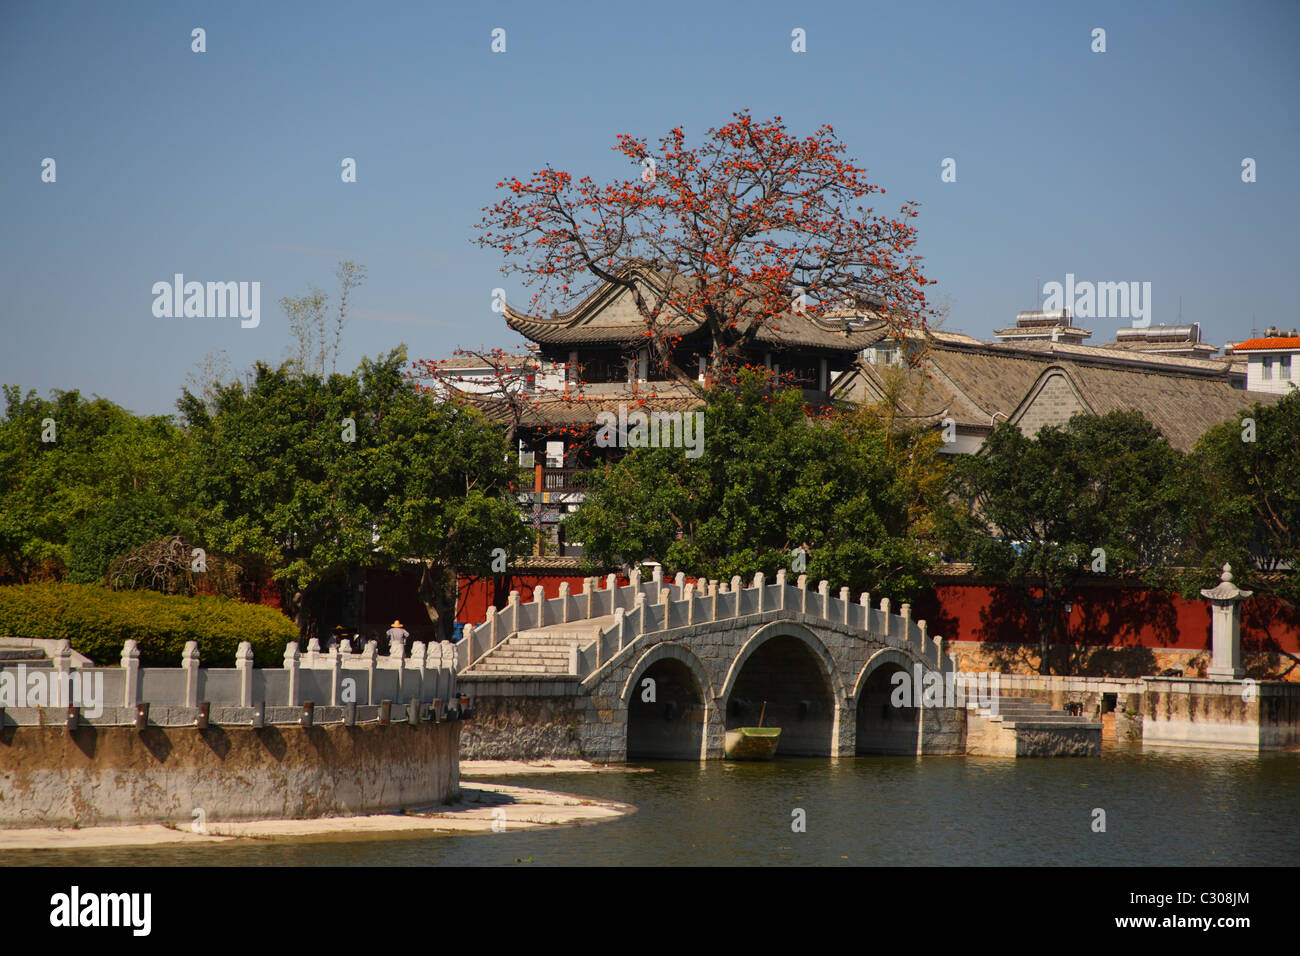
point(98, 621)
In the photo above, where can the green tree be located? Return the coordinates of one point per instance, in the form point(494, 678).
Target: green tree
point(314, 479)
point(67, 461)
point(771, 480)
point(1242, 502)
point(1100, 495)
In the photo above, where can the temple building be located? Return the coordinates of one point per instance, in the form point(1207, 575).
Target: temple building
point(595, 357)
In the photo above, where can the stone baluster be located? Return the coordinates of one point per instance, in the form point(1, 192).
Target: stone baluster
point(688, 594)
point(539, 603)
point(824, 593)
point(802, 585)
point(291, 662)
point(620, 625)
point(369, 661)
point(190, 665)
point(844, 599)
point(760, 584)
point(244, 664)
point(864, 600)
point(780, 589)
point(493, 628)
point(131, 665)
point(905, 612)
point(564, 602)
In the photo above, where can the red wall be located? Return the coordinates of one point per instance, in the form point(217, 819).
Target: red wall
point(476, 594)
point(1111, 616)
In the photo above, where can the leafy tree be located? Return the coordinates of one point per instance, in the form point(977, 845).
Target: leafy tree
point(1243, 502)
point(1038, 509)
point(732, 232)
point(771, 479)
point(314, 479)
point(99, 457)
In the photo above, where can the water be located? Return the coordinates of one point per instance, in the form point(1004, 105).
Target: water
point(1167, 807)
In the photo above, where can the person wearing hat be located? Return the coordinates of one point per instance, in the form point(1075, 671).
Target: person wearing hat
point(336, 638)
point(397, 633)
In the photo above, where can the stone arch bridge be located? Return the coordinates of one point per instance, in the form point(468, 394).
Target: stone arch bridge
point(659, 669)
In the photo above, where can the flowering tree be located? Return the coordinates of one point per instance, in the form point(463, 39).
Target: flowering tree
point(735, 233)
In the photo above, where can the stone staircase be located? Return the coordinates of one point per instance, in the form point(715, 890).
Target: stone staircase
point(1023, 727)
point(538, 651)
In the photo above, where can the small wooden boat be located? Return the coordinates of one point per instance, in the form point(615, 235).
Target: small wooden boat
point(752, 743)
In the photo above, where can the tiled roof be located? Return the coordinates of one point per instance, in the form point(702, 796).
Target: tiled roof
point(581, 408)
point(608, 316)
point(979, 386)
point(1277, 342)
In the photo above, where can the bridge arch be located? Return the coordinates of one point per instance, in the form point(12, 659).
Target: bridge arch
point(883, 728)
point(671, 725)
point(788, 666)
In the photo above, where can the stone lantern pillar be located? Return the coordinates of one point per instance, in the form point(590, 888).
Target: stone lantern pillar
point(1225, 630)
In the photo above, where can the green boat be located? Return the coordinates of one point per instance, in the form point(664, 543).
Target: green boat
point(752, 743)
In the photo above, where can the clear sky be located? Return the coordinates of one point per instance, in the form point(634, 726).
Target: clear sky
point(225, 165)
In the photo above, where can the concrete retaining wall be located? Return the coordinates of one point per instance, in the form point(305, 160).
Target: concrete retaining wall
point(101, 775)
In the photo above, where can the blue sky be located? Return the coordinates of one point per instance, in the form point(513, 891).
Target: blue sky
point(225, 165)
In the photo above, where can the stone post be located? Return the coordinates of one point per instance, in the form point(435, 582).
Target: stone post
point(780, 589)
point(865, 600)
point(467, 638)
point(539, 602)
point(190, 665)
point(844, 599)
point(620, 623)
point(824, 592)
point(588, 596)
point(601, 652)
point(634, 582)
point(889, 624)
point(688, 594)
point(368, 662)
point(802, 585)
point(1225, 627)
point(244, 664)
point(680, 580)
point(735, 589)
point(512, 605)
point(657, 575)
point(564, 602)
point(760, 585)
point(291, 658)
point(905, 612)
point(493, 627)
point(131, 665)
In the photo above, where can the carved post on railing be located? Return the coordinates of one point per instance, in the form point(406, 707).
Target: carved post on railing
point(735, 589)
point(844, 599)
point(417, 662)
point(657, 576)
point(688, 593)
point(920, 626)
point(680, 580)
point(131, 665)
point(512, 605)
point(493, 627)
point(291, 659)
point(190, 665)
point(634, 582)
point(761, 584)
point(564, 602)
point(244, 665)
point(368, 661)
point(611, 582)
point(889, 622)
point(539, 602)
point(865, 600)
point(602, 656)
point(824, 592)
point(620, 623)
point(336, 675)
point(638, 609)
point(802, 585)
point(905, 612)
point(780, 589)
point(588, 596)
point(467, 637)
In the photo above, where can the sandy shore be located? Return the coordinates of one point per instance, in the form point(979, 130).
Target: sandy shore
point(504, 768)
point(483, 808)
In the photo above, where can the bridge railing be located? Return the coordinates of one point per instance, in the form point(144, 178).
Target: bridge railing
point(647, 607)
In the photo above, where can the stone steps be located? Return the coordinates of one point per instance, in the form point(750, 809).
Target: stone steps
point(530, 652)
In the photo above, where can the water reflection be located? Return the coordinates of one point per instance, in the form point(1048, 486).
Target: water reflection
point(1168, 806)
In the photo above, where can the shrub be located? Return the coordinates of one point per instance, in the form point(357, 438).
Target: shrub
point(98, 622)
